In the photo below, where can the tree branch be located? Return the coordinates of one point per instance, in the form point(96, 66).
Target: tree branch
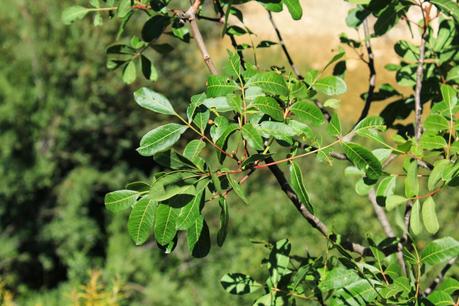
point(190, 16)
point(419, 79)
point(310, 217)
point(284, 47)
point(231, 36)
point(440, 277)
point(387, 227)
point(371, 68)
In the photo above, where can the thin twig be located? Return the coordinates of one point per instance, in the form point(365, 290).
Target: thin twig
point(439, 277)
point(284, 47)
point(385, 224)
point(190, 16)
point(419, 79)
point(310, 217)
point(371, 67)
point(231, 36)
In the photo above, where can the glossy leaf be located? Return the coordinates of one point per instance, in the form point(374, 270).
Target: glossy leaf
point(429, 216)
point(269, 106)
point(393, 201)
point(189, 213)
point(237, 189)
point(154, 27)
point(294, 8)
point(218, 86)
point(141, 220)
point(239, 284)
point(153, 101)
point(331, 86)
point(160, 139)
point(440, 250)
point(270, 83)
point(74, 13)
point(165, 223)
point(224, 219)
point(296, 180)
point(119, 200)
point(252, 137)
point(363, 159)
point(307, 112)
point(415, 218)
point(411, 180)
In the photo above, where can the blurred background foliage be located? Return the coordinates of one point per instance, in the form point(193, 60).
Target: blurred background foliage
point(68, 129)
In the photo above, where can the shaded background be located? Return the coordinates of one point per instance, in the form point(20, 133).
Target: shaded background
point(68, 133)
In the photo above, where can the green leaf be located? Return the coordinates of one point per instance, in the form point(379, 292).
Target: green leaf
point(239, 284)
point(237, 189)
point(173, 184)
point(453, 75)
point(385, 189)
point(235, 102)
point(371, 122)
point(165, 224)
point(74, 13)
point(415, 218)
point(192, 151)
point(363, 159)
point(252, 136)
point(411, 180)
point(198, 238)
point(389, 17)
point(277, 130)
point(431, 142)
point(270, 83)
point(153, 101)
point(296, 180)
point(294, 7)
point(334, 126)
point(440, 298)
point(148, 69)
point(429, 216)
point(224, 219)
point(119, 200)
point(436, 174)
point(124, 7)
point(218, 86)
point(201, 118)
point(160, 139)
point(338, 278)
point(196, 101)
point(129, 73)
point(233, 66)
point(448, 7)
point(269, 106)
point(220, 104)
point(440, 250)
point(331, 86)
point(449, 95)
point(449, 285)
point(189, 213)
point(436, 123)
point(307, 112)
point(141, 220)
point(154, 27)
point(394, 201)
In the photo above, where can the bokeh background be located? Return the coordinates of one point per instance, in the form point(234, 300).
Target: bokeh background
point(68, 132)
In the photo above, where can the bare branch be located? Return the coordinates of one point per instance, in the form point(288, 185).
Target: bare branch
point(310, 217)
point(284, 47)
point(371, 68)
point(387, 227)
point(190, 16)
point(439, 277)
point(419, 79)
point(231, 36)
